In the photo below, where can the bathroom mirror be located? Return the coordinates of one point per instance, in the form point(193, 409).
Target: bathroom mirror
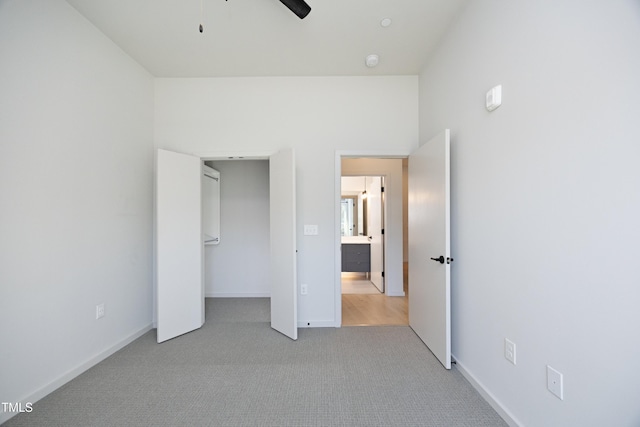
point(349, 215)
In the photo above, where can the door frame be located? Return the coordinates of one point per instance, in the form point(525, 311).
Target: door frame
point(382, 154)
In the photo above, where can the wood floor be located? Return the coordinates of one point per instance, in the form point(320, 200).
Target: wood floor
point(375, 309)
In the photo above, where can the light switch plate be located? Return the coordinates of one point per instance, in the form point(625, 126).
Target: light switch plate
point(310, 230)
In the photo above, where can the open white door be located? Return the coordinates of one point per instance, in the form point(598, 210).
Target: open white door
point(429, 246)
point(374, 230)
point(179, 245)
point(282, 188)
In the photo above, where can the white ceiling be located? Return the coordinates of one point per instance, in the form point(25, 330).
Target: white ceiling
point(264, 38)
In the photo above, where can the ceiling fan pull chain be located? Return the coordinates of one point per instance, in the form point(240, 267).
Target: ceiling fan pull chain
point(201, 16)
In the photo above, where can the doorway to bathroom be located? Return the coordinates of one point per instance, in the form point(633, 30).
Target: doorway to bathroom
point(362, 234)
point(372, 236)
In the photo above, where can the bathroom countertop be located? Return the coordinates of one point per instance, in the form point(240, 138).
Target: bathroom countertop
point(361, 240)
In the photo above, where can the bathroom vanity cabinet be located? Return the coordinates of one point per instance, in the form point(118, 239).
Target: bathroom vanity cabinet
point(356, 257)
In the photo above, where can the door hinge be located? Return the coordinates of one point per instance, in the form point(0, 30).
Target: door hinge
point(383, 274)
point(382, 189)
point(382, 231)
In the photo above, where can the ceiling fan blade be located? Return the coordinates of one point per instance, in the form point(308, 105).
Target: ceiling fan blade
point(299, 7)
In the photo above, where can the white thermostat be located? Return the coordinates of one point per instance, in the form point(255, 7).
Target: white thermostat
point(494, 98)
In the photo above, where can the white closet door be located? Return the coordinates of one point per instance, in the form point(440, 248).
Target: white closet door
point(179, 245)
point(282, 187)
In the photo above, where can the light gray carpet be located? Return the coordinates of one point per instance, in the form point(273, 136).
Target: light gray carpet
point(237, 371)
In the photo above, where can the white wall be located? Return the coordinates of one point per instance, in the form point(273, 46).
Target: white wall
point(76, 186)
point(353, 185)
point(239, 265)
point(391, 169)
point(315, 116)
point(546, 202)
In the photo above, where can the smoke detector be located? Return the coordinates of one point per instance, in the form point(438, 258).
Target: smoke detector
point(372, 60)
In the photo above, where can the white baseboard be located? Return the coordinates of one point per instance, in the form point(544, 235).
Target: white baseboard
point(396, 294)
point(488, 396)
point(237, 295)
point(71, 374)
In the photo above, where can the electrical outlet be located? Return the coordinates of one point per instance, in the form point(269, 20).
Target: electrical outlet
point(554, 382)
point(99, 311)
point(304, 290)
point(510, 351)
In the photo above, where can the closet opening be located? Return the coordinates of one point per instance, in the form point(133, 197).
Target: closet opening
point(244, 266)
point(238, 265)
